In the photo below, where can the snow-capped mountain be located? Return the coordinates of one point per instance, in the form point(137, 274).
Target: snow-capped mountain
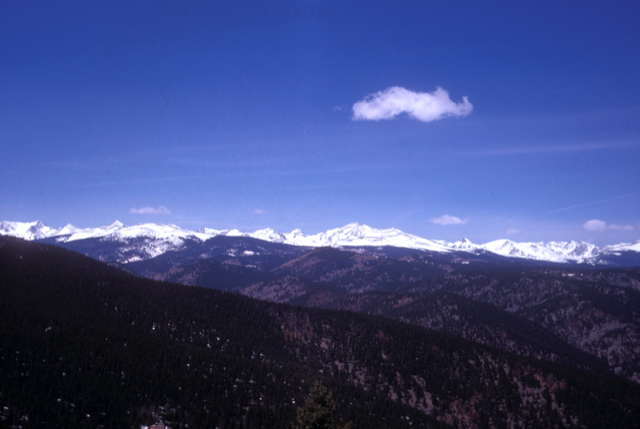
point(357, 234)
point(114, 232)
point(571, 251)
point(625, 247)
point(29, 230)
point(464, 244)
point(150, 240)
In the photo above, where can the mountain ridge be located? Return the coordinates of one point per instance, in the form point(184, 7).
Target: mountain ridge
point(160, 238)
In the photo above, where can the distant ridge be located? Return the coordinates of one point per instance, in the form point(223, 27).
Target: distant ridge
point(160, 238)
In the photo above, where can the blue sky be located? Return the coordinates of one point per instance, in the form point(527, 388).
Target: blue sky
point(240, 114)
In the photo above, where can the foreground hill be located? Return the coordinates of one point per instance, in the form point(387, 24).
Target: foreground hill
point(85, 345)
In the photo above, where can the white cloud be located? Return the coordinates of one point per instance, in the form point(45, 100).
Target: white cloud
point(621, 227)
point(512, 231)
point(259, 211)
point(448, 220)
point(600, 225)
point(161, 210)
point(595, 225)
point(423, 106)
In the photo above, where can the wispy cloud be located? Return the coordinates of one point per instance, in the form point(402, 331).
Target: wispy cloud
point(448, 220)
point(615, 227)
point(591, 203)
point(512, 231)
point(259, 211)
point(600, 225)
point(549, 149)
point(161, 210)
point(423, 106)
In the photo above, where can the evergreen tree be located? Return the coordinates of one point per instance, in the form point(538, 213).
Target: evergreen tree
point(317, 412)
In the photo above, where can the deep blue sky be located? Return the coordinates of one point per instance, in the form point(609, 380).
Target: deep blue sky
point(238, 114)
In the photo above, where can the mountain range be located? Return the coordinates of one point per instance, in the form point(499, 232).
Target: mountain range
point(567, 302)
point(153, 240)
point(485, 344)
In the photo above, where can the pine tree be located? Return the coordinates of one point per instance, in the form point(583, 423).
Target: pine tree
point(317, 412)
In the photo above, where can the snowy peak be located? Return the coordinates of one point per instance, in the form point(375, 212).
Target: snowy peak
point(574, 249)
point(68, 229)
point(571, 251)
point(269, 234)
point(26, 230)
point(357, 234)
point(464, 244)
point(234, 233)
point(294, 235)
point(624, 247)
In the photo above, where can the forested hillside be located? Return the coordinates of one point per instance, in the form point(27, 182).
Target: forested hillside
point(85, 345)
point(584, 316)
